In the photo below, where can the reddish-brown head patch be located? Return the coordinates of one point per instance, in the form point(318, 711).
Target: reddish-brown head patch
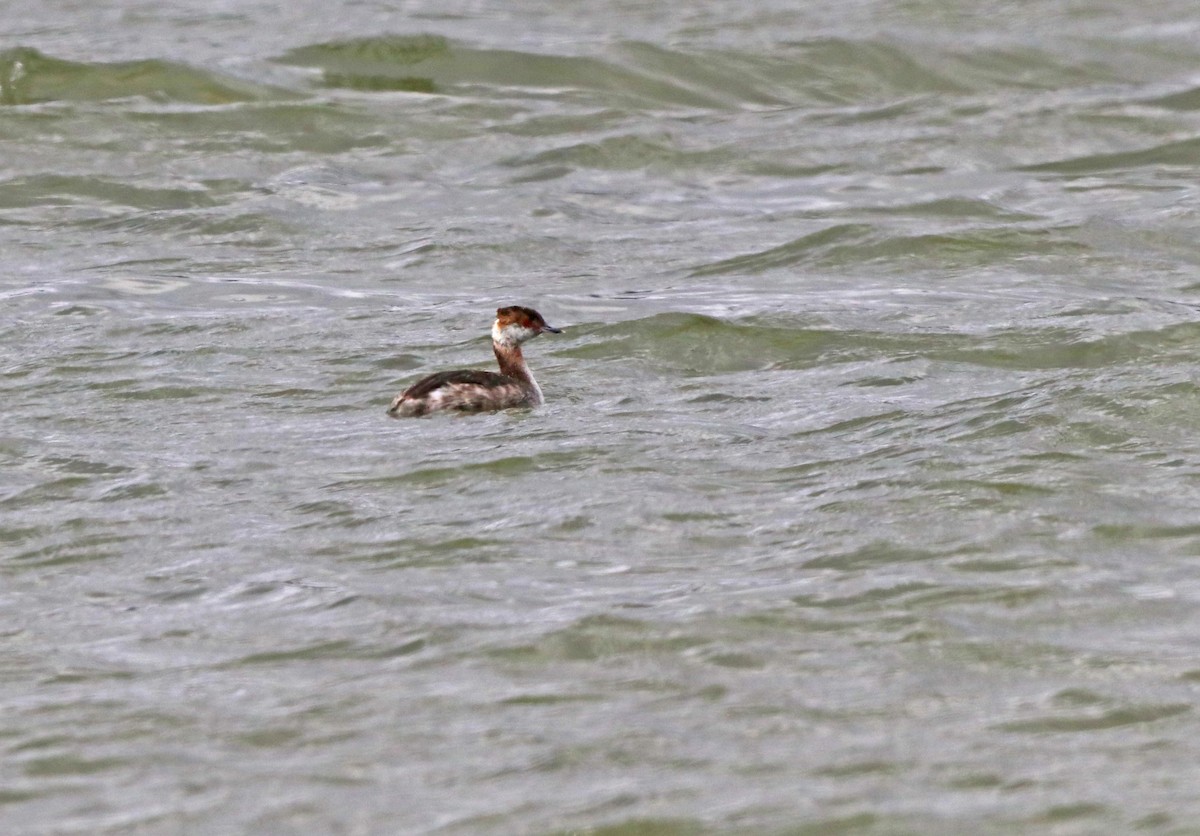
point(518, 315)
point(527, 320)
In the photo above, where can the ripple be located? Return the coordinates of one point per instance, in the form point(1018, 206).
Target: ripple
point(1183, 153)
point(1097, 721)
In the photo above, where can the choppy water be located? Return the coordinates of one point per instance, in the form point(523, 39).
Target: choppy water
point(866, 495)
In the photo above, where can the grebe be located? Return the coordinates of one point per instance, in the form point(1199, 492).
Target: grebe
point(467, 390)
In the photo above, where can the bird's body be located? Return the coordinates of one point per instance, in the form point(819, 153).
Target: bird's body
point(471, 390)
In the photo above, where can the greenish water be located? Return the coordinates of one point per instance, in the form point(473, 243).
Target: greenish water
point(865, 495)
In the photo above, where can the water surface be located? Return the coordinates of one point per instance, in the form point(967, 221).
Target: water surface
point(864, 498)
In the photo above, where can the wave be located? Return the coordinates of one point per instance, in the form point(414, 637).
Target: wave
point(1182, 153)
point(830, 71)
point(878, 75)
point(698, 345)
point(862, 243)
point(27, 76)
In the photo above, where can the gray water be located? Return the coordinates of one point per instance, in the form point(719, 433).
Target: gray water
point(865, 497)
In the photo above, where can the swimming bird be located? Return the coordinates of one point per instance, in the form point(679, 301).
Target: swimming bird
point(471, 390)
